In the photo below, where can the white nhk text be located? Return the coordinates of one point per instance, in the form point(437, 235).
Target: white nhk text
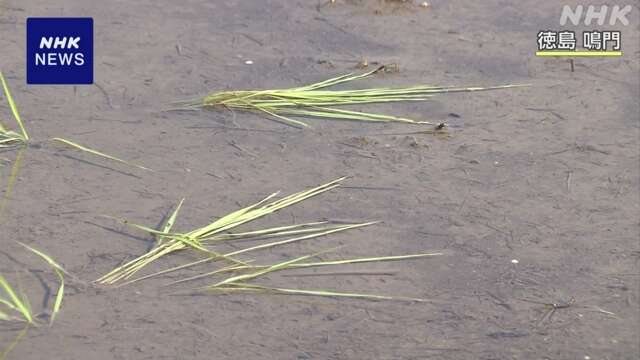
point(46, 58)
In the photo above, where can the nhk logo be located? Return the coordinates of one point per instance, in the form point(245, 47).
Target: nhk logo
point(58, 58)
point(59, 50)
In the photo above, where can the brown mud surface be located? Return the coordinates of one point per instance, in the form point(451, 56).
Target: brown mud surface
point(547, 175)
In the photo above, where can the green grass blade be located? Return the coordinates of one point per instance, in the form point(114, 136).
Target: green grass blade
point(215, 272)
point(115, 274)
point(194, 239)
point(365, 260)
point(9, 304)
point(168, 225)
point(176, 268)
point(60, 272)
point(276, 267)
point(272, 268)
point(225, 221)
point(331, 113)
point(315, 101)
point(341, 79)
point(266, 233)
point(133, 266)
point(14, 108)
point(308, 265)
point(97, 153)
point(324, 293)
point(45, 257)
point(59, 295)
point(129, 269)
point(252, 213)
point(287, 120)
point(21, 304)
point(296, 239)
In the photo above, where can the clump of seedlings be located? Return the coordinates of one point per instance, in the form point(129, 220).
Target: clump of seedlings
point(13, 139)
point(205, 240)
point(15, 306)
point(315, 100)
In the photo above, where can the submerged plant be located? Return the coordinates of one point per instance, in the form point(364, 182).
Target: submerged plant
point(205, 239)
point(315, 100)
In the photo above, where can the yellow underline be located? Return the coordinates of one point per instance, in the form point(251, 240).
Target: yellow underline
point(578, 53)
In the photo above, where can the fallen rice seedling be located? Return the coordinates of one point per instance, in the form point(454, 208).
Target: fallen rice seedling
point(15, 305)
point(19, 303)
point(315, 101)
point(239, 282)
point(168, 242)
point(12, 139)
point(204, 241)
point(60, 272)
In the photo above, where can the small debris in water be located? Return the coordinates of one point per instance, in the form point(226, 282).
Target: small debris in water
point(249, 62)
point(515, 261)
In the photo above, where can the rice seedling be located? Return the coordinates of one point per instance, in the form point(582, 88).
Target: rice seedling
point(297, 265)
point(238, 283)
point(60, 272)
point(11, 181)
point(316, 101)
point(205, 239)
point(11, 139)
point(19, 303)
point(15, 306)
point(217, 231)
point(96, 152)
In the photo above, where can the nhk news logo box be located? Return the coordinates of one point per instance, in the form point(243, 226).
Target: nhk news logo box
point(59, 51)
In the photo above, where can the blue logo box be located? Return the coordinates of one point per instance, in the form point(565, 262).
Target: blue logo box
point(59, 51)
